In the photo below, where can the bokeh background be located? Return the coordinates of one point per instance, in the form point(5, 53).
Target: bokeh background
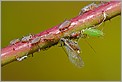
point(22, 18)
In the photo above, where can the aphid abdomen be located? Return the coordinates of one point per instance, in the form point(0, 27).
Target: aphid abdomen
point(14, 41)
point(93, 32)
point(64, 25)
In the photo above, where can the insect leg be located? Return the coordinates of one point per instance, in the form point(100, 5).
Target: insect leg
point(62, 42)
point(90, 45)
point(104, 18)
point(38, 48)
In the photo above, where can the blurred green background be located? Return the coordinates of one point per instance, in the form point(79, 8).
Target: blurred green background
point(22, 18)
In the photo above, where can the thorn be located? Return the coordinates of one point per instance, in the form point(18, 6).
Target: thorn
point(109, 20)
point(39, 50)
point(32, 54)
point(13, 48)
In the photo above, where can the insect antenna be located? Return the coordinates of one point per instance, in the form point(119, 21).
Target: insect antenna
point(90, 45)
point(104, 18)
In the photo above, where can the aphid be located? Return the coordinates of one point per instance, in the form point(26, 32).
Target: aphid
point(88, 8)
point(73, 51)
point(92, 32)
point(26, 38)
point(64, 25)
point(35, 40)
point(21, 58)
point(102, 2)
point(13, 42)
point(48, 37)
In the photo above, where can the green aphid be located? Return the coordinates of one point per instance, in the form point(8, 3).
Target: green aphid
point(92, 32)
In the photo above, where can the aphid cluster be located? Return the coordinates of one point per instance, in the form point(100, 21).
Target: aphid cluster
point(32, 41)
point(93, 6)
point(71, 47)
point(26, 39)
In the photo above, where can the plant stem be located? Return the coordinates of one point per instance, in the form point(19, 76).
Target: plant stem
point(52, 36)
